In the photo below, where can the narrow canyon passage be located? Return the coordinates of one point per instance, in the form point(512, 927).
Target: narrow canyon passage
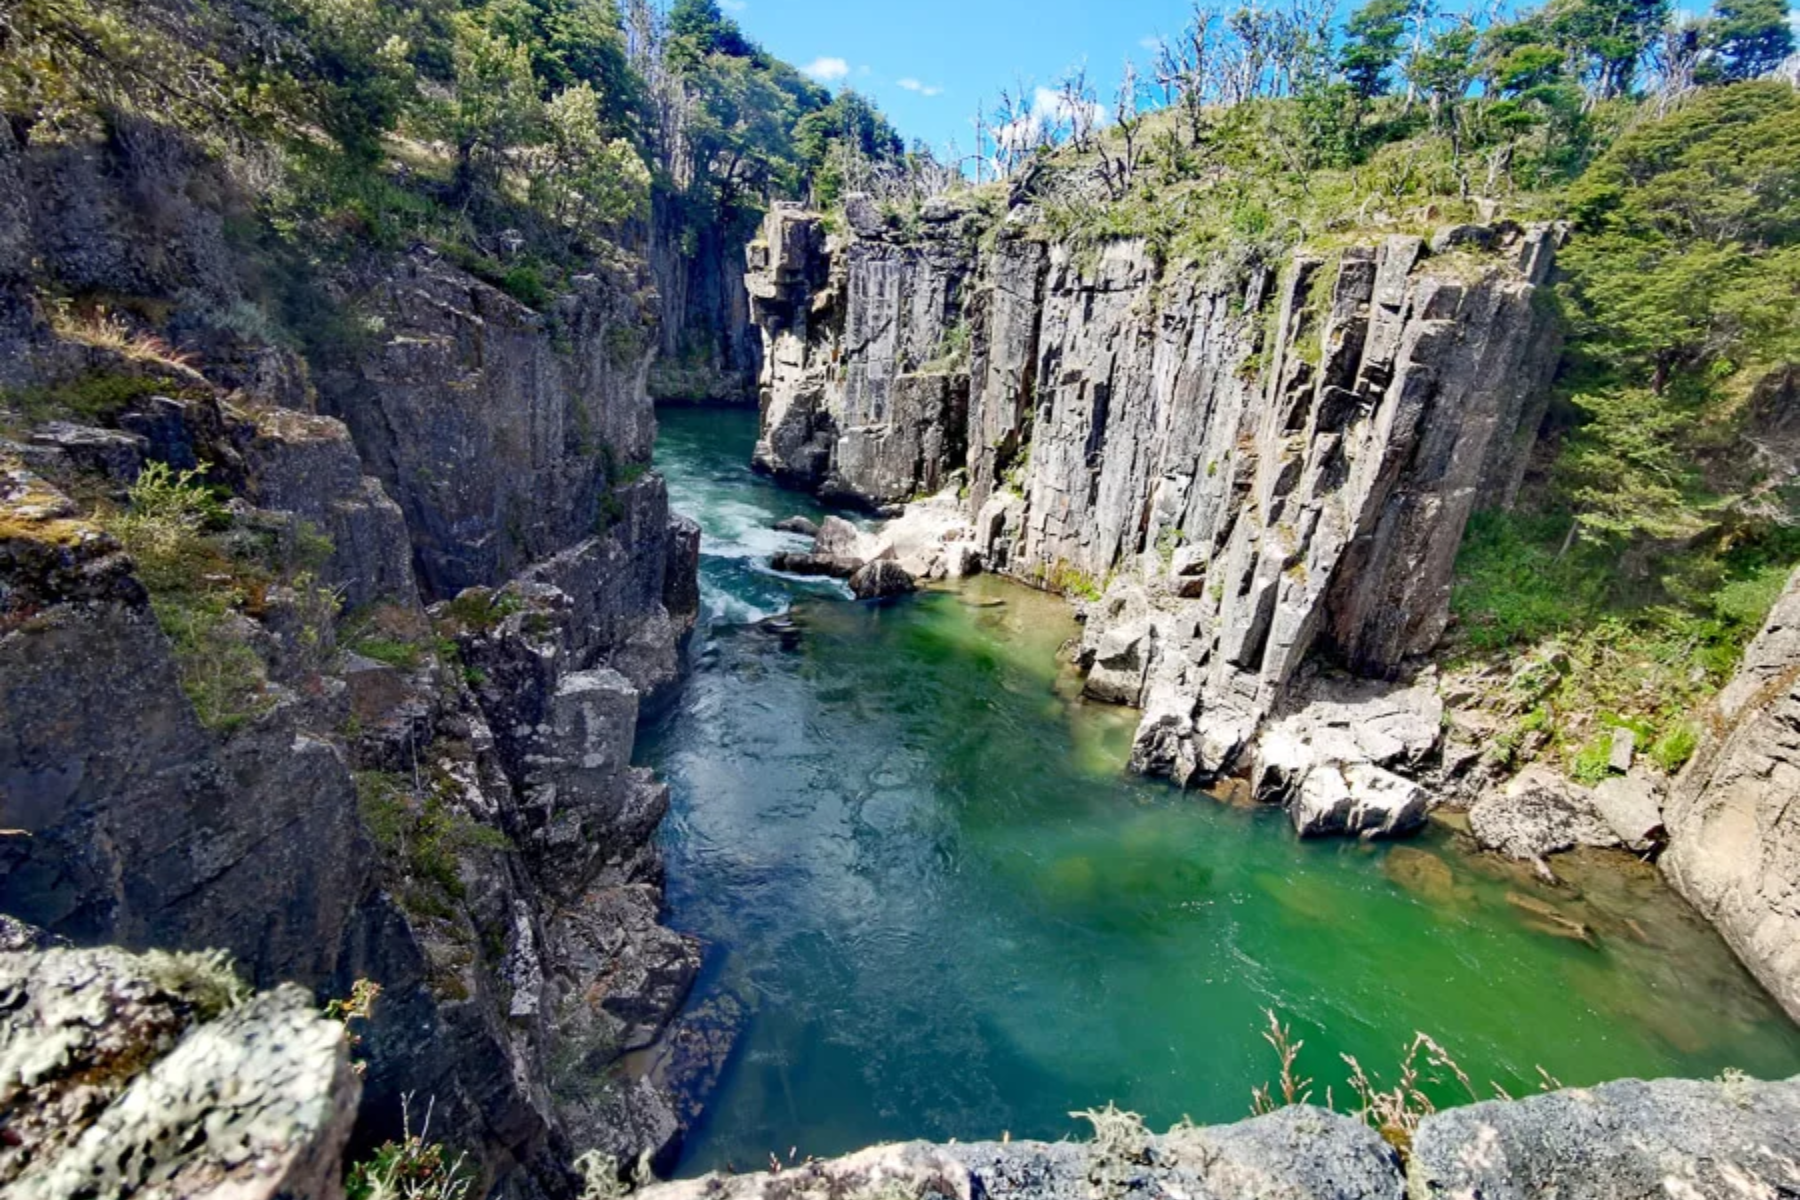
point(945, 911)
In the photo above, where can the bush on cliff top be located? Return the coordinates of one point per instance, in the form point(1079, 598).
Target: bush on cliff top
point(1665, 529)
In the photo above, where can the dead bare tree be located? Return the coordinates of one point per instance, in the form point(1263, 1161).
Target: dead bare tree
point(1078, 107)
point(1119, 161)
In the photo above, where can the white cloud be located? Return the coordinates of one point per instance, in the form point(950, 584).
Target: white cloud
point(1049, 107)
point(924, 89)
point(825, 70)
point(1049, 113)
point(736, 6)
point(1152, 44)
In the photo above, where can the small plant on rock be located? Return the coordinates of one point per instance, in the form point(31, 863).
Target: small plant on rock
point(413, 1168)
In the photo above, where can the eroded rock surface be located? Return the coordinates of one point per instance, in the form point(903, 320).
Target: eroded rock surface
point(1619, 1141)
point(1733, 825)
point(124, 1075)
point(1256, 466)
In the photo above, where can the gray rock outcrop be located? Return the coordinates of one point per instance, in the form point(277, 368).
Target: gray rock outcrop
point(440, 801)
point(1256, 465)
point(1733, 825)
point(156, 1075)
point(1299, 1153)
point(1619, 1141)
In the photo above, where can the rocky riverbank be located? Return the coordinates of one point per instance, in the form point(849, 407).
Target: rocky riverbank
point(1629, 1139)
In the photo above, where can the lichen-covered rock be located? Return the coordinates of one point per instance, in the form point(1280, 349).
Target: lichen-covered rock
point(912, 1171)
point(1538, 813)
point(1734, 830)
point(1620, 1141)
point(1299, 1153)
point(123, 1075)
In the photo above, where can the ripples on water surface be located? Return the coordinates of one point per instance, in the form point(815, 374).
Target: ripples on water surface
point(917, 860)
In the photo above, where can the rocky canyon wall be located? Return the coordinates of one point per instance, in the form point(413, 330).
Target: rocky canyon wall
point(268, 743)
point(710, 351)
point(1733, 825)
point(1243, 465)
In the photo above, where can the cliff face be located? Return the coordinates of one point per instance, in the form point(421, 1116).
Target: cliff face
point(710, 349)
point(1734, 834)
point(1245, 465)
point(440, 800)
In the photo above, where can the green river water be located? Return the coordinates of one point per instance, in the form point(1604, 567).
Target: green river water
point(921, 870)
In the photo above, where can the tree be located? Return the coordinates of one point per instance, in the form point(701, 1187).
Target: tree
point(1745, 39)
point(1683, 275)
point(1609, 37)
point(495, 106)
point(1372, 45)
point(1442, 71)
point(582, 180)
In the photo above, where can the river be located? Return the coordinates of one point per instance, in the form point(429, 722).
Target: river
point(920, 868)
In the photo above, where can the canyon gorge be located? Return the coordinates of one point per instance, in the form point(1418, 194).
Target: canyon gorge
point(560, 703)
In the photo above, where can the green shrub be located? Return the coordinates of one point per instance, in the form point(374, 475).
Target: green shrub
point(1672, 750)
point(1593, 762)
point(393, 652)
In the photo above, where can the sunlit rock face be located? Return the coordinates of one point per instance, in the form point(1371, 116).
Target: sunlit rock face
point(1245, 465)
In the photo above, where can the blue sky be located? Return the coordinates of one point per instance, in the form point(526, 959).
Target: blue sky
point(929, 62)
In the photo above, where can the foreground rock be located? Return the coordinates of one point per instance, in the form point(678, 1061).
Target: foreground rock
point(1733, 826)
point(124, 1075)
point(1620, 1141)
point(1296, 1154)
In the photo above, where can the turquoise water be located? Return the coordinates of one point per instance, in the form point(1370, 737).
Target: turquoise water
point(918, 864)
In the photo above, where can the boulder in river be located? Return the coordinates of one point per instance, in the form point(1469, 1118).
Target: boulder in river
point(830, 565)
point(1539, 813)
point(881, 579)
point(799, 525)
point(838, 537)
point(1358, 800)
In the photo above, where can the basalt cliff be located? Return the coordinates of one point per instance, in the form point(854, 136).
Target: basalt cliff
point(1244, 467)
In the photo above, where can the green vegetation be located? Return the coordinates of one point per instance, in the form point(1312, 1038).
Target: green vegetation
point(1663, 532)
point(411, 1168)
point(206, 979)
point(174, 530)
point(422, 836)
point(519, 137)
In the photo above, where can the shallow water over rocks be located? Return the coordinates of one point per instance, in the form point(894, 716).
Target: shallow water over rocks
point(936, 906)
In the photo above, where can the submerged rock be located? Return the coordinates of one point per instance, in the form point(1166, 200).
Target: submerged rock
point(882, 579)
